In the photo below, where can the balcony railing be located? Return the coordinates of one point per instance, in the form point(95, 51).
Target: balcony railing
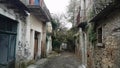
point(39, 8)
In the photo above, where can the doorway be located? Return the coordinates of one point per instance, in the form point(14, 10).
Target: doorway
point(8, 33)
point(36, 43)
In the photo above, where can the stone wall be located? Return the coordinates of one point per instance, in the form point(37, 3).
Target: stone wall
point(109, 55)
point(90, 58)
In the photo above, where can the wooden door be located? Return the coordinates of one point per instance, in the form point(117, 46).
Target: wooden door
point(35, 47)
point(8, 33)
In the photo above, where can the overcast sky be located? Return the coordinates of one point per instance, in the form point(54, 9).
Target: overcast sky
point(58, 7)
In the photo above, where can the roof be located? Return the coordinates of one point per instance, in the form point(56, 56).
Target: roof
point(110, 7)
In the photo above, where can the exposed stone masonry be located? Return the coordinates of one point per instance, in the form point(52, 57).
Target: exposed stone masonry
point(108, 56)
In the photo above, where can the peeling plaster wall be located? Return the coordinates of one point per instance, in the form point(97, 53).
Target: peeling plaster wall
point(24, 44)
point(43, 44)
point(25, 38)
point(35, 25)
point(7, 12)
point(109, 56)
point(49, 38)
point(49, 45)
point(22, 51)
point(81, 47)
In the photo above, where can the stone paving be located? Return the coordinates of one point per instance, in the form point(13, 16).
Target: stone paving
point(63, 60)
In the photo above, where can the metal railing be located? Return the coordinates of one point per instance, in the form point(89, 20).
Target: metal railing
point(37, 3)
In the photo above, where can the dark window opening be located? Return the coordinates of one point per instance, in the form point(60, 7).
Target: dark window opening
point(99, 33)
point(8, 26)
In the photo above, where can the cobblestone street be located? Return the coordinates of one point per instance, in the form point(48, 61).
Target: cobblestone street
point(63, 60)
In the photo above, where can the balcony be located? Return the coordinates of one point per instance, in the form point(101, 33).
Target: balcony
point(101, 8)
point(81, 19)
point(15, 4)
point(39, 9)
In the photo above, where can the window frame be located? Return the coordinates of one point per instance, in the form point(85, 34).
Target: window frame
point(99, 37)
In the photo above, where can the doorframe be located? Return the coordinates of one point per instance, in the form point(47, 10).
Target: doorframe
point(38, 44)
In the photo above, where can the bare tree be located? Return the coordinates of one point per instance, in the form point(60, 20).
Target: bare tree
point(73, 10)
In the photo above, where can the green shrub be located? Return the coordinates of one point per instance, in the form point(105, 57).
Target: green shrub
point(92, 34)
point(23, 65)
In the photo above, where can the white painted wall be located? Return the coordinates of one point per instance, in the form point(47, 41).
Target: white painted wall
point(35, 25)
point(7, 12)
point(83, 46)
point(49, 41)
point(25, 37)
point(49, 45)
point(21, 30)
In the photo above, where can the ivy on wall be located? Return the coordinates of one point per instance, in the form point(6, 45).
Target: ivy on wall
point(92, 33)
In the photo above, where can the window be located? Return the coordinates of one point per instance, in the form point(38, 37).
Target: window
point(99, 35)
point(8, 26)
point(37, 2)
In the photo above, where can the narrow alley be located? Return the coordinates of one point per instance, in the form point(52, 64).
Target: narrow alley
point(59, 33)
point(62, 60)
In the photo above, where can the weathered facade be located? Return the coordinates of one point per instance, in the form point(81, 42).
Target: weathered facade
point(102, 33)
point(12, 32)
point(49, 38)
point(22, 32)
point(107, 54)
point(81, 41)
point(106, 51)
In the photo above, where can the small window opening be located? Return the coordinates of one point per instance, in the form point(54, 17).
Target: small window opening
point(99, 33)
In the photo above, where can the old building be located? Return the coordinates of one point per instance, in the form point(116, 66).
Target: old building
point(103, 33)
point(12, 31)
point(22, 32)
point(37, 23)
point(106, 21)
point(100, 35)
